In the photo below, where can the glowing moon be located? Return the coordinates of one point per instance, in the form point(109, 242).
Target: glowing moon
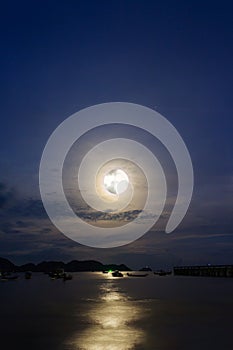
point(116, 182)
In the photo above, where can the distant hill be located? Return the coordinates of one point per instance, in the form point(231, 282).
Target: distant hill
point(6, 265)
point(72, 266)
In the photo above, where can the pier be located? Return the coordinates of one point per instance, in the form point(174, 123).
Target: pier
point(207, 270)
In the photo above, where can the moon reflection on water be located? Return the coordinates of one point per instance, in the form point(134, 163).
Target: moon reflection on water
point(112, 322)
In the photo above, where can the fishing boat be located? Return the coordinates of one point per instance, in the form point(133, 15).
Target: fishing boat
point(67, 277)
point(146, 268)
point(28, 275)
point(137, 274)
point(162, 273)
point(117, 274)
point(58, 273)
point(8, 277)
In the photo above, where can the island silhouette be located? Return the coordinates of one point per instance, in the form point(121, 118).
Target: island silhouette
point(72, 266)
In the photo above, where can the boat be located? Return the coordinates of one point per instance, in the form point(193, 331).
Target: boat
point(28, 275)
point(137, 274)
point(117, 274)
point(59, 273)
point(67, 277)
point(146, 269)
point(8, 277)
point(162, 273)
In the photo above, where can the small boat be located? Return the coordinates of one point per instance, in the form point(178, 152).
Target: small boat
point(28, 275)
point(117, 274)
point(146, 268)
point(137, 275)
point(8, 277)
point(67, 277)
point(162, 273)
point(59, 273)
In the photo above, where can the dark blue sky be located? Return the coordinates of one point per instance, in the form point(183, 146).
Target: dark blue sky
point(60, 56)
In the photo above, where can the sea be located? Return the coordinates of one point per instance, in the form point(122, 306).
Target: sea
point(95, 311)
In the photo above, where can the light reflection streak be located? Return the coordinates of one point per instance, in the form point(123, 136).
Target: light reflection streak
point(112, 322)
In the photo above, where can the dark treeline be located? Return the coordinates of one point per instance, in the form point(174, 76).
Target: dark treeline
point(72, 266)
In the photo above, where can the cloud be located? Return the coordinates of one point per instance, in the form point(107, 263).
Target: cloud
point(6, 195)
point(205, 235)
point(90, 215)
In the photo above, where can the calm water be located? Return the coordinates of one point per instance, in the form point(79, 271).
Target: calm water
point(97, 312)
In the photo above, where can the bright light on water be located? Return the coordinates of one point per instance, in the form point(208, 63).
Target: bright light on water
point(111, 323)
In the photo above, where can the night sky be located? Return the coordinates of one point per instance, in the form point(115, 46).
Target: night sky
point(58, 57)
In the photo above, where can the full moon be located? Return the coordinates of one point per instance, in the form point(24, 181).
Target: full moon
point(116, 181)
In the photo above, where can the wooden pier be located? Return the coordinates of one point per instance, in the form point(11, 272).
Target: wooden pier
point(207, 270)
